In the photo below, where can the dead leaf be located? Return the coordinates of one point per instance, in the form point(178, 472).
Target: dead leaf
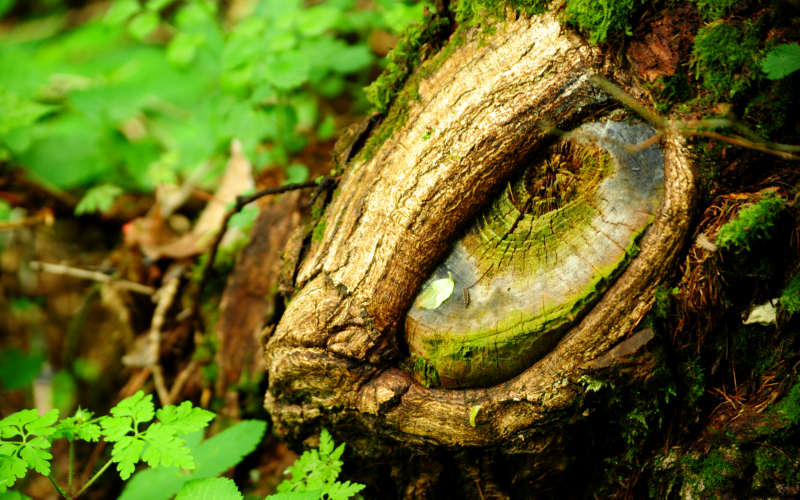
point(152, 234)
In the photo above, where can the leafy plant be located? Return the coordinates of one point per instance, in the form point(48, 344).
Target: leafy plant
point(98, 199)
point(315, 473)
point(26, 438)
point(781, 61)
point(157, 88)
point(212, 457)
point(170, 446)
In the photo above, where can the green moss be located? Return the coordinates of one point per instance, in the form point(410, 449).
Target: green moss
point(771, 108)
point(471, 12)
point(404, 59)
point(692, 380)
point(753, 222)
point(397, 115)
point(725, 57)
point(790, 297)
point(774, 467)
point(319, 231)
point(714, 9)
point(787, 410)
point(713, 472)
point(671, 90)
point(601, 19)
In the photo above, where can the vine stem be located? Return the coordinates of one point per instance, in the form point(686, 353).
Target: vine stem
point(71, 465)
point(93, 479)
point(56, 486)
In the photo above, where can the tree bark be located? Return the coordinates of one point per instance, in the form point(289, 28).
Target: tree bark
point(342, 355)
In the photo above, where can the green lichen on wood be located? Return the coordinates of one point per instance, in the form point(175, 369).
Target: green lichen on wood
point(318, 231)
point(540, 256)
point(485, 357)
point(423, 371)
point(754, 222)
point(602, 19)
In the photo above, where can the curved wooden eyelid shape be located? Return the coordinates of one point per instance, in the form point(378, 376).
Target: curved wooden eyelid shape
point(333, 356)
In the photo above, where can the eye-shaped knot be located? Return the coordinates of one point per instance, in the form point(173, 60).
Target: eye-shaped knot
point(539, 257)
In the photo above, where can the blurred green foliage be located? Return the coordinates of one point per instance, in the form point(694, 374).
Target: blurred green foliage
point(156, 88)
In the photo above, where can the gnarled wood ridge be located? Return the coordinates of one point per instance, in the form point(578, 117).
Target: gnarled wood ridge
point(554, 245)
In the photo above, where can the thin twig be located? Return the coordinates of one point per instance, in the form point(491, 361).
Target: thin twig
point(166, 295)
point(241, 201)
point(692, 127)
point(628, 101)
point(742, 142)
point(181, 379)
point(94, 478)
point(43, 216)
point(77, 272)
point(56, 486)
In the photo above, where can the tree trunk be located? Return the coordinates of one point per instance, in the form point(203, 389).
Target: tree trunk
point(546, 251)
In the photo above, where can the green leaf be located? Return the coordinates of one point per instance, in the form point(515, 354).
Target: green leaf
point(287, 70)
point(18, 369)
point(11, 469)
point(143, 24)
point(316, 471)
point(18, 111)
point(126, 453)
point(327, 128)
point(343, 491)
point(164, 448)
point(79, 426)
point(37, 458)
point(139, 407)
point(183, 47)
point(43, 426)
point(781, 61)
point(184, 418)
point(157, 5)
point(297, 495)
point(98, 199)
point(436, 293)
point(212, 457)
point(121, 11)
point(13, 424)
point(214, 488)
point(245, 218)
point(296, 173)
point(316, 20)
